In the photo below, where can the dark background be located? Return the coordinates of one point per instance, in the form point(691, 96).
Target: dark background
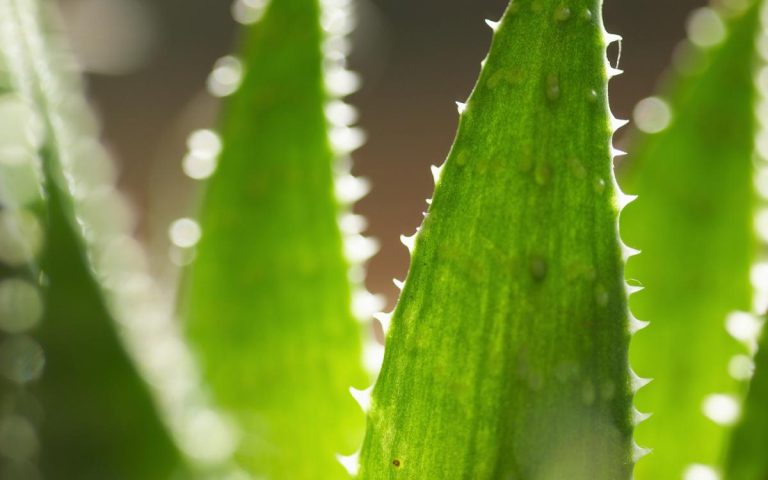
point(417, 58)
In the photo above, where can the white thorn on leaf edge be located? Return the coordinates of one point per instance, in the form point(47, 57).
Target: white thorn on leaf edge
point(409, 242)
point(624, 199)
point(362, 397)
point(633, 288)
point(494, 25)
point(436, 171)
point(638, 382)
point(636, 325)
point(639, 452)
point(615, 152)
point(628, 252)
point(351, 463)
point(398, 283)
point(612, 37)
point(614, 72)
point(617, 123)
point(639, 417)
point(384, 318)
point(461, 107)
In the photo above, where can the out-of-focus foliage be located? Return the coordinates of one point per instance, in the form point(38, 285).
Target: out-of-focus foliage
point(267, 300)
point(693, 223)
point(73, 406)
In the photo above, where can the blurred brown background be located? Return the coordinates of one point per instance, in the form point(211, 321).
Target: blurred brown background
point(150, 60)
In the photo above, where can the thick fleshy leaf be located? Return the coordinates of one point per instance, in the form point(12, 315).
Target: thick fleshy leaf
point(693, 223)
point(507, 354)
point(268, 295)
point(73, 403)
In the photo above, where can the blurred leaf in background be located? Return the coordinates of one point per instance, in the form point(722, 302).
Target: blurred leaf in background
point(693, 170)
point(73, 403)
point(267, 297)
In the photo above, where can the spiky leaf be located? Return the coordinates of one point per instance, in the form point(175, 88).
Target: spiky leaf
point(268, 298)
point(507, 354)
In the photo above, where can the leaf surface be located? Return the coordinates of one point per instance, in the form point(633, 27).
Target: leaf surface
point(507, 354)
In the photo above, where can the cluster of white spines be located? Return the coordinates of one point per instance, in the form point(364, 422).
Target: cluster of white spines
point(143, 311)
point(338, 21)
point(622, 200)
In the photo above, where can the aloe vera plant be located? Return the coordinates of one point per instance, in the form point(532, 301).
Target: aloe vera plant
point(507, 355)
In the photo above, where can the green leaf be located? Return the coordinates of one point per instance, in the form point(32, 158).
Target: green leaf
point(693, 223)
point(268, 295)
point(72, 400)
point(746, 458)
point(507, 354)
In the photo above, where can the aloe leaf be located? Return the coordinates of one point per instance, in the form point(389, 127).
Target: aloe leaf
point(73, 402)
point(693, 223)
point(507, 352)
point(268, 296)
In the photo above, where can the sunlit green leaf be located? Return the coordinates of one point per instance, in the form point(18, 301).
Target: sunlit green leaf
point(507, 354)
point(267, 297)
